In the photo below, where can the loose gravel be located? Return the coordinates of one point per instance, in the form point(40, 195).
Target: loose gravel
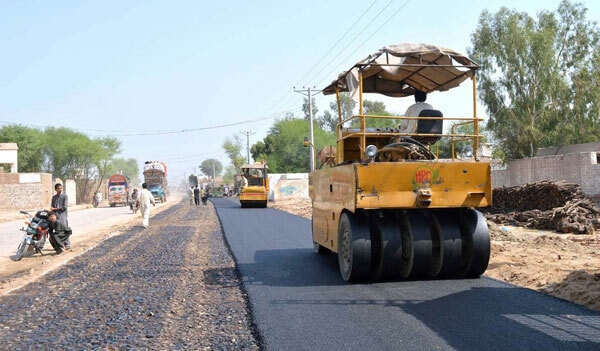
point(172, 286)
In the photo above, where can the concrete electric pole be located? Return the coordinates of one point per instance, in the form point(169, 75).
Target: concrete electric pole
point(307, 93)
point(247, 133)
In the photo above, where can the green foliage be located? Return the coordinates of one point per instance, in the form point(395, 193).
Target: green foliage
point(110, 147)
point(376, 108)
point(229, 175)
point(127, 167)
point(329, 120)
point(69, 154)
point(282, 147)
point(444, 145)
point(233, 149)
point(539, 78)
point(211, 167)
point(29, 141)
point(305, 109)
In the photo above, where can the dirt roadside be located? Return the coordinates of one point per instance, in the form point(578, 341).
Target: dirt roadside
point(14, 274)
point(562, 265)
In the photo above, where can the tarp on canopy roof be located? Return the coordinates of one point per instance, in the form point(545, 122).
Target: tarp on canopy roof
point(397, 70)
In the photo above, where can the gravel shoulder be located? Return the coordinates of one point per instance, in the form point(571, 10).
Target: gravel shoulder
point(172, 286)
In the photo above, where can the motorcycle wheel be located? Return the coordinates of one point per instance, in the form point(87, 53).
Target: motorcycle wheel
point(21, 250)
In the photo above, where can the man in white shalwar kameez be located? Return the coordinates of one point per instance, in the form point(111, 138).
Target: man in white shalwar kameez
point(145, 198)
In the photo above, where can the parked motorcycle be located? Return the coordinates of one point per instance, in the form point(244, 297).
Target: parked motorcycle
point(35, 235)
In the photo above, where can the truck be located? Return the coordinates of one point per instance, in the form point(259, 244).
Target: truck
point(193, 181)
point(118, 190)
point(387, 205)
point(255, 192)
point(155, 177)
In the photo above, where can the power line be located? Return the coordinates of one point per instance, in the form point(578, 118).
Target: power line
point(354, 39)
point(337, 42)
point(372, 34)
point(286, 94)
point(163, 132)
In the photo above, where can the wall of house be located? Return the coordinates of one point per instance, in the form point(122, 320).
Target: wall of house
point(582, 168)
point(25, 191)
point(288, 186)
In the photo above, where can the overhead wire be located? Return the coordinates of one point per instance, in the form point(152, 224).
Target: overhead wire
point(372, 34)
point(121, 132)
point(337, 42)
point(288, 93)
point(355, 38)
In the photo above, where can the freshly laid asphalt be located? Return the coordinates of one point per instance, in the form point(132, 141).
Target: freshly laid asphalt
point(300, 302)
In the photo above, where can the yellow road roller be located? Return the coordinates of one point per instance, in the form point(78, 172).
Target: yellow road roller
point(388, 205)
point(255, 192)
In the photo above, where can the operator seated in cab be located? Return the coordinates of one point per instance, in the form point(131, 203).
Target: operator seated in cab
point(410, 125)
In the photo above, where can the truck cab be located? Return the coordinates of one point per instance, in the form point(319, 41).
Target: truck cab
point(157, 192)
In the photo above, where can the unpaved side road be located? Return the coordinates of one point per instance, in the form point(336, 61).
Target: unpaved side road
point(172, 286)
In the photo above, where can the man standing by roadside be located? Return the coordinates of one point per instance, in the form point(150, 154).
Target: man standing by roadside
point(145, 198)
point(197, 196)
point(60, 202)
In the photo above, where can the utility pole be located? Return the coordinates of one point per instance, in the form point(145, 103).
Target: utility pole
point(307, 92)
point(247, 133)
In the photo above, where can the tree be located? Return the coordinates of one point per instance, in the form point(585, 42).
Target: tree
point(29, 141)
point(305, 108)
point(376, 108)
point(444, 146)
point(229, 175)
point(282, 147)
point(329, 120)
point(110, 147)
point(538, 79)
point(127, 167)
point(69, 154)
point(211, 167)
point(233, 149)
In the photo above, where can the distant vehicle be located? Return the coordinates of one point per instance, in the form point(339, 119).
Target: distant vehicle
point(255, 193)
point(193, 181)
point(118, 190)
point(155, 176)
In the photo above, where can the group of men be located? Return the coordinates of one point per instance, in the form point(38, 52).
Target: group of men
point(196, 194)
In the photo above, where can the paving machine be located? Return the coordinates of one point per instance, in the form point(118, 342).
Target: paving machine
point(255, 191)
point(388, 206)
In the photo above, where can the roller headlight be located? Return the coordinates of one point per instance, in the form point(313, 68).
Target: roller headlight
point(371, 151)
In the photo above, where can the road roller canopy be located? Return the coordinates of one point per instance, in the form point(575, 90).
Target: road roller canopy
point(397, 70)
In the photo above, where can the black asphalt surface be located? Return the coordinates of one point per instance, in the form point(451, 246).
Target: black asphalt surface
point(300, 302)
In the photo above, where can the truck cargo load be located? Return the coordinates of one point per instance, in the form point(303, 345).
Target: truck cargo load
point(155, 177)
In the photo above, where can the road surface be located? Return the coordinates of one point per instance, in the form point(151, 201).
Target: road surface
point(300, 302)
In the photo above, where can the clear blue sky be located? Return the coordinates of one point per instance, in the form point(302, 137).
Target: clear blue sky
point(148, 72)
